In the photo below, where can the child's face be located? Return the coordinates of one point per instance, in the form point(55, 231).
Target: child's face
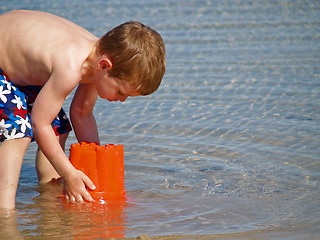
point(114, 89)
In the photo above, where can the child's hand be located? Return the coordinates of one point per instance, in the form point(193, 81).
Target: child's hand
point(75, 187)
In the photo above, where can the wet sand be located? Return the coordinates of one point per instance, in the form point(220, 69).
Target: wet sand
point(251, 235)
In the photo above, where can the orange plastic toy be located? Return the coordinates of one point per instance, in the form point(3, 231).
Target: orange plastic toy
point(104, 165)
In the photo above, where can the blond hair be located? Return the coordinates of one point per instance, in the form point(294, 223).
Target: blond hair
point(137, 53)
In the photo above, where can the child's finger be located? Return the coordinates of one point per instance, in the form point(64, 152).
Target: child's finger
point(87, 197)
point(89, 183)
point(79, 199)
point(72, 199)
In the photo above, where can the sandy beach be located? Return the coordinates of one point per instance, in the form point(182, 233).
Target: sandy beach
point(251, 235)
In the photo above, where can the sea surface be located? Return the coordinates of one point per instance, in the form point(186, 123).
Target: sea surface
point(230, 142)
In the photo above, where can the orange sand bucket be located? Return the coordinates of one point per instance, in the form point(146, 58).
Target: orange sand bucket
point(104, 165)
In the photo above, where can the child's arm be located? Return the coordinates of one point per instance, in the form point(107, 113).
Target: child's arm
point(81, 113)
point(45, 109)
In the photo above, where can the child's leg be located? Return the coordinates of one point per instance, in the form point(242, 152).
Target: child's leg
point(11, 157)
point(44, 168)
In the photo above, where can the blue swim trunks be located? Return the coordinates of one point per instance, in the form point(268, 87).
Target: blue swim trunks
point(15, 108)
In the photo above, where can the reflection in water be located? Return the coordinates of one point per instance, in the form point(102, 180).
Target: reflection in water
point(8, 225)
point(95, 220)
point(54, 217)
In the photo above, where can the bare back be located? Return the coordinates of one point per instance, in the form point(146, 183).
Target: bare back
point(38, 48)
point(34, 44)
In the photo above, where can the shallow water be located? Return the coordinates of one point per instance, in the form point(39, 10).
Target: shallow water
point(228, 144)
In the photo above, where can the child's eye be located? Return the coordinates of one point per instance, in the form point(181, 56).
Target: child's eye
point(120, 93)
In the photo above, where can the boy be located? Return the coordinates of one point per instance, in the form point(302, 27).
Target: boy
point(42, 59)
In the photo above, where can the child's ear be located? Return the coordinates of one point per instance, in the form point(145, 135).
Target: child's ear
point(105, 63)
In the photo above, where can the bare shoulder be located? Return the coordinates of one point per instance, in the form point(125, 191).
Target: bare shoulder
point(37, 42)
